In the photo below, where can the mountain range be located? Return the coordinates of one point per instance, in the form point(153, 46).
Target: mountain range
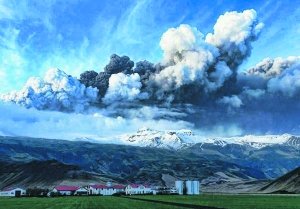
point(157, 157)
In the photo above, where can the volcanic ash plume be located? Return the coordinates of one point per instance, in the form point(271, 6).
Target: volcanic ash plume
point(57, 91)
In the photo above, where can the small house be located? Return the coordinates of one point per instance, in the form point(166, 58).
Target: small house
point(12, 192)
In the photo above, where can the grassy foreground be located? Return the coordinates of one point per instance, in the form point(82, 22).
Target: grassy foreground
point(236, 201)
point(220, 201)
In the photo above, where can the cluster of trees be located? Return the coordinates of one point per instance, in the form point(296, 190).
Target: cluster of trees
point(37, 192)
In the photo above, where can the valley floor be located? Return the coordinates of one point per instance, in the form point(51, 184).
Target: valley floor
point(205, 201)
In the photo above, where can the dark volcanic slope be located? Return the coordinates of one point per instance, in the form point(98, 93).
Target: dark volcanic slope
point(41, 174)
point(289, 183)
point(122, 163)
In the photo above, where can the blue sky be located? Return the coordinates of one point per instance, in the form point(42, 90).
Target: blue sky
point(80, 35)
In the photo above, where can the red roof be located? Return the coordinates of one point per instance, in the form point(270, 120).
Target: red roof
point(66, 188)
point(118, 187)
point(99, 186)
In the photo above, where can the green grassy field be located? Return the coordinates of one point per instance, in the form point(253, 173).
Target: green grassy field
point(220, 201)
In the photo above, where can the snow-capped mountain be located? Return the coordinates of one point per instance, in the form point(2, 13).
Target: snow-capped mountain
point(146, 137)
point(293, 141)
point(256, 141)
point(179, 139)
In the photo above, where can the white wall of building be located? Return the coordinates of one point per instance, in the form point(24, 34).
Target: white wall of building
point(103, 191)
point(13, 192)
point(141, 189)
point(62, 192)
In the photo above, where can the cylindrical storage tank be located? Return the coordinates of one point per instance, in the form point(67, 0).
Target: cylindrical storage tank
point(196, 187)
point(179, 187)
point(189, 187)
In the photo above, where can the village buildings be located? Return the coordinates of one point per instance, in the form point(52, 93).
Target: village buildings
point(189, 187)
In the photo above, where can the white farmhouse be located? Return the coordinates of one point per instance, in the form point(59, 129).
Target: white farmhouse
point(100, 189)
point(133, 189)
point(12, 192)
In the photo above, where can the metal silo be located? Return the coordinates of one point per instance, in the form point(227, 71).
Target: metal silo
point(179, 187)
point(196, 187)
point(189, 187)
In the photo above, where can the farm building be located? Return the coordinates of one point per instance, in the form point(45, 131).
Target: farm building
point(99, 189)
point(132, 189)
point(81, 191)
point(13, 192)
point(164, 190)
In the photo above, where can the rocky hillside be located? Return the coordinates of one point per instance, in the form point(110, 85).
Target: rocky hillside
point(288, 183)
point(44, 174)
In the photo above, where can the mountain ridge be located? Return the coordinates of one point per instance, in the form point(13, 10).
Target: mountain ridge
point(178, 139)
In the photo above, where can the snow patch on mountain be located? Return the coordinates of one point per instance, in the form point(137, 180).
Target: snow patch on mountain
point(146, 137)
point(179, 139)
point(256, 141)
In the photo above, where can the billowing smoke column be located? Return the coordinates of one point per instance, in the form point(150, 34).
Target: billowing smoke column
point(272, 67)
point(57, 91)
point(233, 34)
point(206, 64)
point(192, 63)
point(279, 75)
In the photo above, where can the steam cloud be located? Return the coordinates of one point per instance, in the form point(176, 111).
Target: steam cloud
point(57, 91)
point(198, 76)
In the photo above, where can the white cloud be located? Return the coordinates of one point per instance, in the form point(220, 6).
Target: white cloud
point(254, 93)
point(233, 34)
point(57, 91)
point(287, 83)
point(18, 121)
point(187, 57)
point(124, 88)
point(269, 67)
point(233, 101)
